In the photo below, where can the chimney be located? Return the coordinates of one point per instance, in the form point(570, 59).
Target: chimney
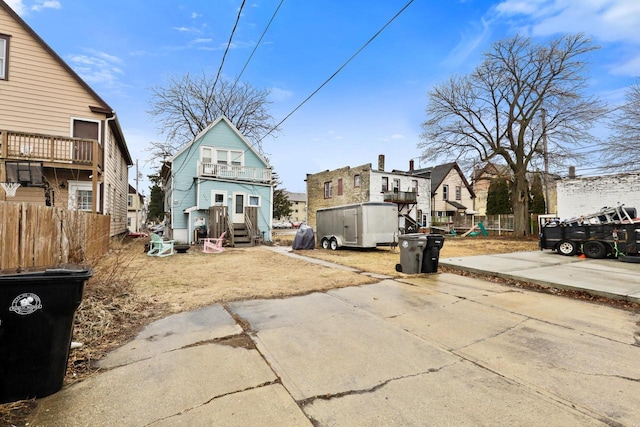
point(381, 162)
point(572, 172)
point(410, 165)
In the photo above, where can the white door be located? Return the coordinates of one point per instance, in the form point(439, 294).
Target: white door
point(238, 208)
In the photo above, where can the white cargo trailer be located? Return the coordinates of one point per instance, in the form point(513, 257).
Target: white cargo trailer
point(362, 225)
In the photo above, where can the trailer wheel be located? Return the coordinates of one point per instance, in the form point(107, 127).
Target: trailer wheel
point(324, 243)
point(567, 247)
point(594, 249)
point(333, 244)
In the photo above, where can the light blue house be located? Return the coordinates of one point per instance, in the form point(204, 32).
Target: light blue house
point(219, 183)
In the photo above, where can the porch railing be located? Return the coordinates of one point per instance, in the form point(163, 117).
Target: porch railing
point(400, 196)
point(234, 172)
point(49, 148)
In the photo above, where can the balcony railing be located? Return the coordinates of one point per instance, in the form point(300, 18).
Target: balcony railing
point(49, 148)
point(400, 196)
point(234, 172)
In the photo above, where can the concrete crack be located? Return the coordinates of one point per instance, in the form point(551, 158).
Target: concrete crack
point(497, 334)
point(329, 396)
point(265, 384)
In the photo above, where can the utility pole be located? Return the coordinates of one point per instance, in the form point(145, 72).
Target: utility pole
point(546, 161)
point(137, 200)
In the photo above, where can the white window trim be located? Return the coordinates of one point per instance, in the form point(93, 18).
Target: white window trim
point(211, 150)
point(232, 155)
point(224, 198)
point(259, 200)
point(3, 57)
point(75, 186)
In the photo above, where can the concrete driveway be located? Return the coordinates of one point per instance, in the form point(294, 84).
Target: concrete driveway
point(432, 350)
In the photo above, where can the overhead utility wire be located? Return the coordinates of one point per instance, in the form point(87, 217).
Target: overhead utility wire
point(336, 73)
point(219, 72)
point(256, 46)
point(229, 43)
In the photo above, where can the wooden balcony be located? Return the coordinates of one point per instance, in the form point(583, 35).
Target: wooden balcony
point(234, 173)
point(52, 150)
point(400, 196)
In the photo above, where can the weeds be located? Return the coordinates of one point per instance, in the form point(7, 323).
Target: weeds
point(110, 314)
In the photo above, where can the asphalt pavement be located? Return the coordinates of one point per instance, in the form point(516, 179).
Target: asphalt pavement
point(438, 349)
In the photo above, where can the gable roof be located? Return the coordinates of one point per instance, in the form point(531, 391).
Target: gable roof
point(211, 126)
point(103, 107)
point(439, 173)
point(55, 56)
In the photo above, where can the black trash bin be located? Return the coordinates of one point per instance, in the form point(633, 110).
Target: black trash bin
point(36, 323)
point(431, 254)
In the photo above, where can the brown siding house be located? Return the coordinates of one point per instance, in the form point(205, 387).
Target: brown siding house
point(59, 140)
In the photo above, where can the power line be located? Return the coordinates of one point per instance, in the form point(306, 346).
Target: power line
point(337, 71)
point(235, 26)
point(229, 43)
point(257, 44)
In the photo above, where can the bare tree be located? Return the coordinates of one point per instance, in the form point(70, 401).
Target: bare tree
point(186, 105)
point(619, 153)
point(520, 95)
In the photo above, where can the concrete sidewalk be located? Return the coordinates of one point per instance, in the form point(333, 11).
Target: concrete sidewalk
point(440, 349)
point(603, 277)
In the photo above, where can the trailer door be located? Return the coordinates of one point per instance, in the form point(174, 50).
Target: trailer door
point(350, 226)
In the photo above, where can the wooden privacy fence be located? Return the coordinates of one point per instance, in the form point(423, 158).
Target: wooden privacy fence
point(494, 224)
point(35, 236)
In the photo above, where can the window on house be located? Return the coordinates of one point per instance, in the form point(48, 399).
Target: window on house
point(414, 185)
point(222, 157)
point(340, 187)
point(4, 56)
point(236, 158)
point(396, 184)
point(445, 192)
point(385, 183)
point(356, 180)
point(254, 200)
point(458, 193)
point(83, 200)
point(86, 129)
point(229, 157)
point(130, 200)
point(328, 190)
point(218, 198)
point(206, 155)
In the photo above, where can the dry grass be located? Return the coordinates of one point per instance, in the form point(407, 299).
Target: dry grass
point(130, 289)
point(383, 260)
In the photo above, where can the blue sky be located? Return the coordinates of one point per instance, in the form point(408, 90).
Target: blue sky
point(375, 105)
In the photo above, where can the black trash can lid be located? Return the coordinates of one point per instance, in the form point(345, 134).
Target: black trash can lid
point(50, 273)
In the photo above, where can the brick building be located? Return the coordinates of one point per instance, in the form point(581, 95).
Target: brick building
point(349, 185)
point(585, 195)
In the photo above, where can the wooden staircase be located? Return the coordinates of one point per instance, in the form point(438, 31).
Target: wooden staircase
point(241, 237)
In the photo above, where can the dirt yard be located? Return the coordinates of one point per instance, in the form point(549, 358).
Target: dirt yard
point(195, 279)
